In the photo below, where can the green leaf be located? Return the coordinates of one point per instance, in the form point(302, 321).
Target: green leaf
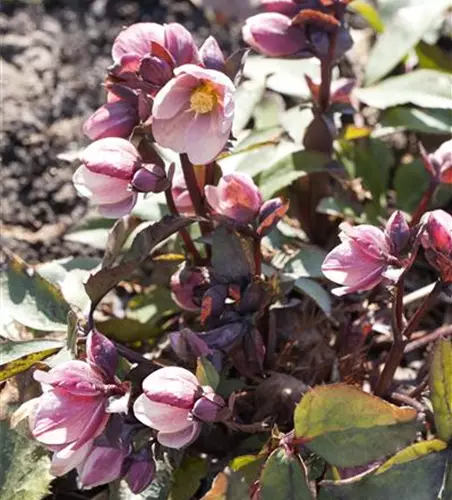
point(423, 87)
point(17, 357)
point(284, 477)
point(432, 57)
point(290, 168)
point(420, 478)
point(316, 292)
point(410, 182)
point(296, 121)
point(117, 236)
point(187, 478)
point(268, 111)
point(30, 299)
point(306, 263)
point(24, 473)
point(428, 121)
point(206, 373)
point(249, 466)
point(441, 388)
point(228, 485)
point(447, 492)
point(246, 97)
point(56, 270)
point(369, 13)
point(402, 33)
point(93, 232)
point(348, 427)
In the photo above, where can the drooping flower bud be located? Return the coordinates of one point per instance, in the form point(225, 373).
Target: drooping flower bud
point(208, 407)
point(211, 55)
point(270, 213)
point(150, 179)
point(101, 354)
point(437, 242)
point(170, 395)
point(398, 232)
point(236, 197)
point(361, 261)
point(439, 163)
point(113, 119)
point(183, 284)
point(141, 471)
point(102, 465)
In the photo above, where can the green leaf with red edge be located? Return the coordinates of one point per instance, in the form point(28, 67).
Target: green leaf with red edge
point(284, 476)
point(348, 427)
point(441, 388)
point(415, 472)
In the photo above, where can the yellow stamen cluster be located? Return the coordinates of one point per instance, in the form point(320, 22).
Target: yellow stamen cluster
point(203, 99)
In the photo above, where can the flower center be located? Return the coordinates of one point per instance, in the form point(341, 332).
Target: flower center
point(203, 98)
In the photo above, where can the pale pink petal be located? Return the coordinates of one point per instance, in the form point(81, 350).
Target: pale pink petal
point(367, 282)
point(119, 209)
point(160, 416)
point(287, 7)
point(212, 197)
point(180, 439)
point(102, 189)
point(201, 73)
point(174, 96)
point(137, 39)
point(117, 118)
point(101, 466)
point(68, 458)
point(172, 133)
point(180, 44)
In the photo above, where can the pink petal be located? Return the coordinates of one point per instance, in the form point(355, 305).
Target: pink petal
point(137, 39)
point(68, 458)
point(212, 197)
point(179, 42)
point(101, 189)
point(273, 35)
point(173, 96)
point(160, 416)
point(287, 7)
point(173, 386)
point(101, 466)
point(172, 133)
point(200, 73)
point(180, 439)
point(119, 209)
point(114, 119)
point(367, 282)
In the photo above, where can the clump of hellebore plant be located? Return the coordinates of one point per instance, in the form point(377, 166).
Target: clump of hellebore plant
point(176, 405)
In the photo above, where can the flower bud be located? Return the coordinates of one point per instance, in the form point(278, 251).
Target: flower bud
point(183, 284)
point(141, 472)
point(398, 232)
point(437, 242)
point(235, 197)
point(156, 70)
point(439, 163)
point(208, 407)
point(114, 119)
point(188, 345)
point(150, 179)
point(103, 465)
point(211, 55)
point(271, 212)
point(102, 354)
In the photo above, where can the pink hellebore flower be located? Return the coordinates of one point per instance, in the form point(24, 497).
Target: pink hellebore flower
point(367, 255)
point(439, 163)
point(72, 411)
point(236, 197)
point(112, 174)
point(437, 242)
point(183, 283)
point(193, 113)
point(175, 405)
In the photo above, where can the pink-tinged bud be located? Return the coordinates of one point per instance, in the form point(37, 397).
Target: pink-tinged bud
point(273, 35)
point(108, 167)
point(193, 113)
point(211, 55)
point(271, 212)
point(188, 345)
point(439, 163)
point(360, 261)
point(236, 197)
point(181, 195)
point(114, 119)
point(141, 472)
point(437, 242)
point(156, 70)
point(180, 44)
point(169, 396)
point(102, 465)
point(208, 407)
point(183, 284)
point(398, 232)
point(150, 179)
point(101, 354)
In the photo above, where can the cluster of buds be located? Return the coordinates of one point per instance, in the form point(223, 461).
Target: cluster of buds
point(298, 28)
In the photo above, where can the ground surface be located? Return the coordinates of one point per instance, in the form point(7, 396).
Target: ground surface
point(54, 56)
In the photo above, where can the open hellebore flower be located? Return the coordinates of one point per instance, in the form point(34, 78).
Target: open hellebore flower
point(295, 28)
point(112, 174)
point(439, 163)
point(367, 255)
point(193, 113)
point(175, 404)
point(437, 242)
point(72, 411)
point(236, 197)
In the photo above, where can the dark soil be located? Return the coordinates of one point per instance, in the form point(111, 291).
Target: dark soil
point(54, 57)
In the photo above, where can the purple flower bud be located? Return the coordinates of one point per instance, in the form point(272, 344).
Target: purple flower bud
point(150, 179)
point(101, 353)
point(141, 472)
point(183, 284)
point(236, 197)
point(398, 232)
point(156, 70)
point(437, 242)
point(188, 345)
point(271, 212)
point(211, 55)
point(114, 119)
point(208, 407)
point(102, 466)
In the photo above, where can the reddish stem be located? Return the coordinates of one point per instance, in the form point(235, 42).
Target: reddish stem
point(424, 203)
